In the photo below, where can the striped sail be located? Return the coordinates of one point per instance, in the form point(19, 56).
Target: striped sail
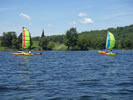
point(110, 42)
point(25, 38)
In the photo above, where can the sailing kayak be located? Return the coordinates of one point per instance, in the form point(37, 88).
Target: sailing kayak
point(106, 53)
point(26, 43)
point(26, 53)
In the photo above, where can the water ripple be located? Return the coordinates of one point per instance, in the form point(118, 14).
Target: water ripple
point(66, 75)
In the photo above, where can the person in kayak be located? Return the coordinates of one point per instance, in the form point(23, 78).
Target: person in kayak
point(29, 51)
point(111, 51)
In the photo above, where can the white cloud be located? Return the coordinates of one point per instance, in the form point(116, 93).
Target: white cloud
point(25, 15)
point(87, 21)
point(82, 14)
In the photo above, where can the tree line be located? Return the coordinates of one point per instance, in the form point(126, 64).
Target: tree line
point(95, 39)
point(87, 40)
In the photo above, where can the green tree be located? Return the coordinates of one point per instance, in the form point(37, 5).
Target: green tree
point(43, 33)
point(20, 41)
point(71, 38)
point(36, 38)
point(51, 45)
point(3, 42)
point(56, 38)
point(101, 42)
point(8, 38)
point(128, 44)
point(31, 43)
point(118, 44)
point(83, 43)
point(43, 42)
point(15, 44)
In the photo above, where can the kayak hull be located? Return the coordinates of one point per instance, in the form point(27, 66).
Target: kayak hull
point(105, 53)
point(27, 54)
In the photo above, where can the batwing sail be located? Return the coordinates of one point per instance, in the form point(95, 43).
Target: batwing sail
point(110, 42)
point(25, 38)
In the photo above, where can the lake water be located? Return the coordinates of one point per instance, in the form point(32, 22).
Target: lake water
point(66, 75)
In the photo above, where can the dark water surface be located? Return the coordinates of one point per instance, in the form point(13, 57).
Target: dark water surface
point(66, 75)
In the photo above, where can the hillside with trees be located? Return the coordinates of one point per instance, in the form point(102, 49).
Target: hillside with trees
point(71, 40)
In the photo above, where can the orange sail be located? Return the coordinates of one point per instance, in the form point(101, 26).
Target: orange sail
point(25, 38)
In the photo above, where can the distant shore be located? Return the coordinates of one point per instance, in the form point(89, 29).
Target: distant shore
point(7, 49)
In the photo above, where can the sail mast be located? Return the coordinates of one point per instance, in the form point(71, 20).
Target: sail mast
point(23, 34)
point(106, 41)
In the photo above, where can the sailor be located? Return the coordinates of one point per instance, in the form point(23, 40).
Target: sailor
point(111, 51)
point(29, 51)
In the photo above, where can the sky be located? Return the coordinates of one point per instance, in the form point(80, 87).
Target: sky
point(58, 16)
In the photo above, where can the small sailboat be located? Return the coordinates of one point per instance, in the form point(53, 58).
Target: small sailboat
point(26, 43)
point(110, 43)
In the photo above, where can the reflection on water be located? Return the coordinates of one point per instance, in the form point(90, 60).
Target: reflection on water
point(110, 58)
point(26, 77)
point(25, 59)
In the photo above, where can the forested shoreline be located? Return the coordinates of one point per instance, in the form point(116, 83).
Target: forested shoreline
point(71, 40)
